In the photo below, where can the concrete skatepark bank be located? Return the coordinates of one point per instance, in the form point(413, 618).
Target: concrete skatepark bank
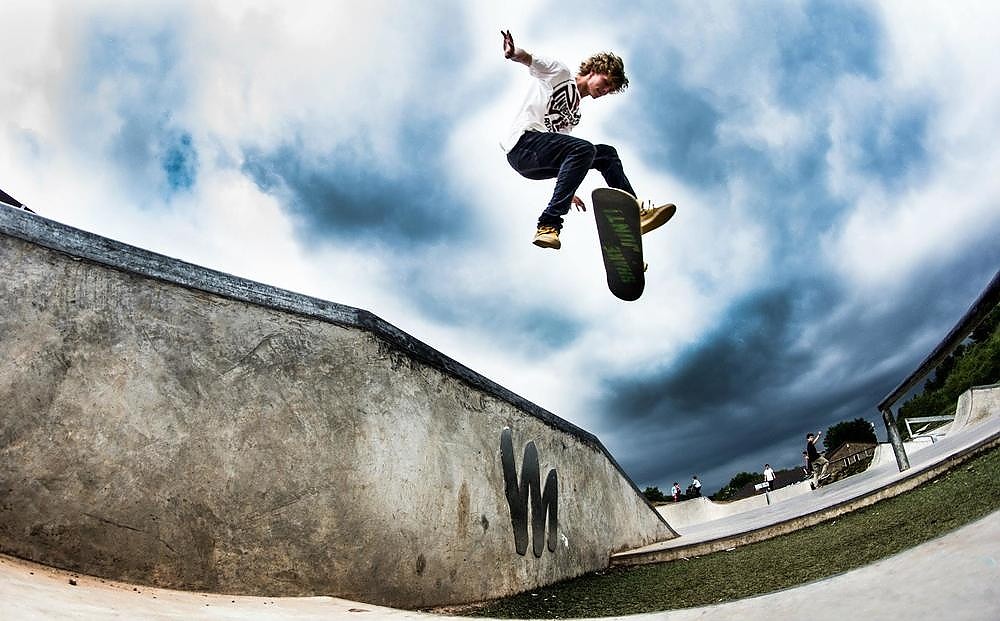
point(173, 426)
point(186, 421)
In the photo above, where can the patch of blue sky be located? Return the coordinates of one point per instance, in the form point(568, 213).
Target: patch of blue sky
point(136, 70)
point(179, 161)
point(787, 191)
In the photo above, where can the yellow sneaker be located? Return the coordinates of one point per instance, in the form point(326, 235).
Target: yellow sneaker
point(651, 217)
point(547, 237)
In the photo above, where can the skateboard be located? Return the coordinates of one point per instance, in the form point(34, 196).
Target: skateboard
point(617, 216)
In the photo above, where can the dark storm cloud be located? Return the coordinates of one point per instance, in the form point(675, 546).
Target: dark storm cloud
point(835, 39)
point(739, 396)
point(742, 435)
point(354, 193)
point(753, 351)
point(348, 197)
point(676, 120)
point(891, 143)
point(686, 122)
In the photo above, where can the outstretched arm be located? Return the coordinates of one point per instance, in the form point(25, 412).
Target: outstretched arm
point(512, 52)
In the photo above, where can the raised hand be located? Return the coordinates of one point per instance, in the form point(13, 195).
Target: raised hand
point(508, 44)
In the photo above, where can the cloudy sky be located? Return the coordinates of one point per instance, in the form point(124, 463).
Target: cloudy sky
point(834, 166)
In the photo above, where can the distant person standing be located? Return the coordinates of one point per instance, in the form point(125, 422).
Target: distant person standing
point(769, 476)
point(676, 491)
point(695, 485)
point(816, 461)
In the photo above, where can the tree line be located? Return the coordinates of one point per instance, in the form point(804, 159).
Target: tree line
point(976, 362)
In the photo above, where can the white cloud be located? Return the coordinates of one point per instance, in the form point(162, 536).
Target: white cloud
point(939, 55)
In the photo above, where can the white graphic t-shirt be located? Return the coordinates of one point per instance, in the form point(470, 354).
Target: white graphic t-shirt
point(551, 105)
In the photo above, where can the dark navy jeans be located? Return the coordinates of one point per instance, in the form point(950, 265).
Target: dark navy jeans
point(547, 155)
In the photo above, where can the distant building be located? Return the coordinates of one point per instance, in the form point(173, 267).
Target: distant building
point(849, 453)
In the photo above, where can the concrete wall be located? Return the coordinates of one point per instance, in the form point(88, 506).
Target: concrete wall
point(174, 426)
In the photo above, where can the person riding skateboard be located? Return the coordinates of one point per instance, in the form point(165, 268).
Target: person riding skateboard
point(539, 146)
point(817, 462)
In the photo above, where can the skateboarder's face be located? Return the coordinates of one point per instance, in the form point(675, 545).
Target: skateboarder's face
point(594, 84)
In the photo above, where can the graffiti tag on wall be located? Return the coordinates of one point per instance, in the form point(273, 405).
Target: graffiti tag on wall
point(525, 491)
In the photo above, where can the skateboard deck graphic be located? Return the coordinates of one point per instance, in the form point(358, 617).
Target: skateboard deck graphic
point(617, 216)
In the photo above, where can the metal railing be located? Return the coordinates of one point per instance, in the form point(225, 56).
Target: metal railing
point(985, 303)
point(916, 420)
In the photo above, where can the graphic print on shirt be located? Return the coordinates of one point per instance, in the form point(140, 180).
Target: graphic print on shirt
point(564, 108)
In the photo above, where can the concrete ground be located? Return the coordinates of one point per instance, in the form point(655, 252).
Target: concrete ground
point(955, 577)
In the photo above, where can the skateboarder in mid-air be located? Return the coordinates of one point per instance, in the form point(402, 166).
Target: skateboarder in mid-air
point(539, 145)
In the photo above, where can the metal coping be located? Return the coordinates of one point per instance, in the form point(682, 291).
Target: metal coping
point(7, 199)
point(123, 257)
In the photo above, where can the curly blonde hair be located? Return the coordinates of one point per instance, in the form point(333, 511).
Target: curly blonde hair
point(610, 65)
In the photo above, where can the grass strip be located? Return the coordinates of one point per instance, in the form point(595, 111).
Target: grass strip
point(966, 493)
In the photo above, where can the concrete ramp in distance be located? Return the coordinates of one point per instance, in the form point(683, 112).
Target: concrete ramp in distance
point(681, 515)
point(169, 425)
point(975, 406)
